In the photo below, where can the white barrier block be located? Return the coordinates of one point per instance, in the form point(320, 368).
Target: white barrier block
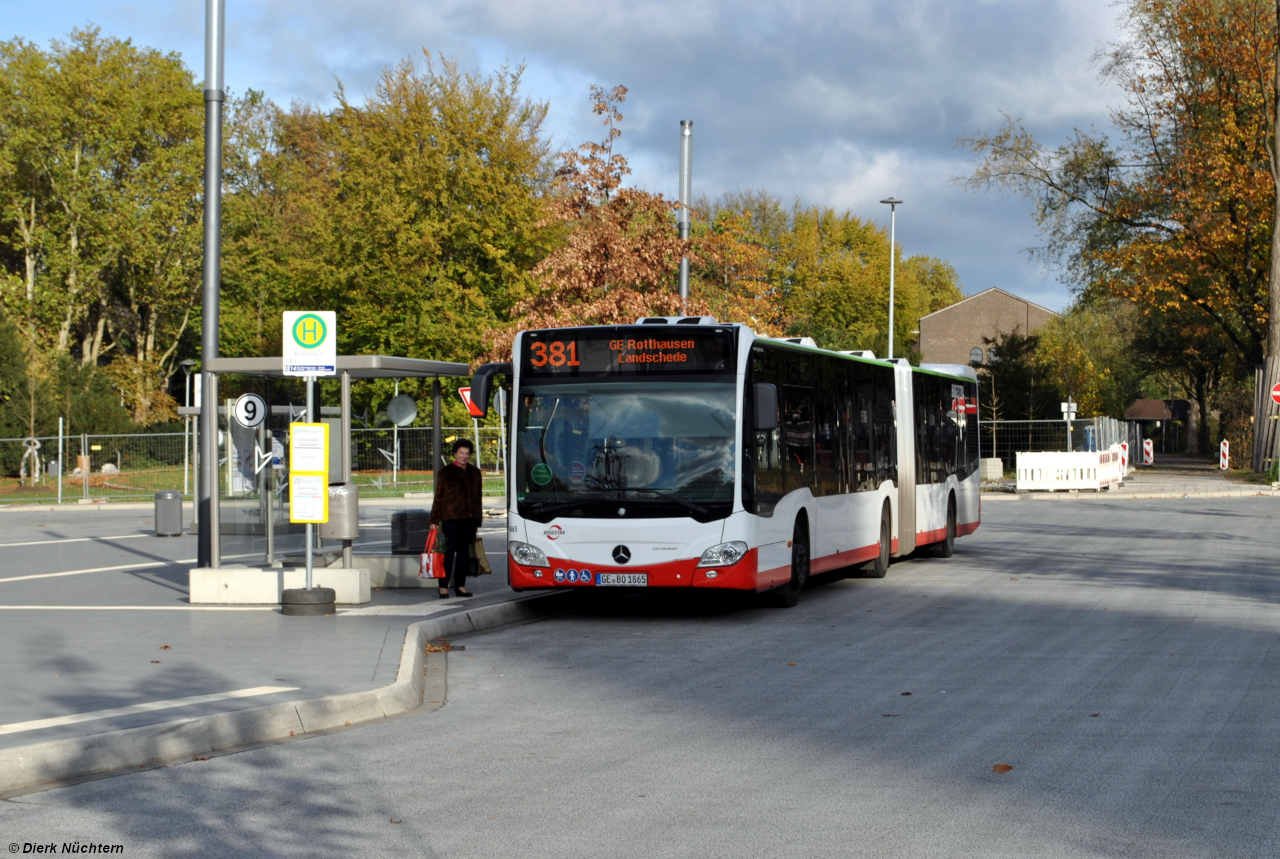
point(1055, 470)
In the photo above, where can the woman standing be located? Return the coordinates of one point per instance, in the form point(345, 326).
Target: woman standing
point(456, 511)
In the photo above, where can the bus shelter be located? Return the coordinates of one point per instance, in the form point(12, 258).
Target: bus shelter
point(257, 551)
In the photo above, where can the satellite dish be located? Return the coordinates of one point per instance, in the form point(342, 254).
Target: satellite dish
point(402, 410)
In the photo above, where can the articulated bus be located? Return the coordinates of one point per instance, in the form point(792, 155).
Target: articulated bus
point(689, 453)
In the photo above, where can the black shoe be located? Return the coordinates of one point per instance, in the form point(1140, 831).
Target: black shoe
point(464, 593)
point(444, 596)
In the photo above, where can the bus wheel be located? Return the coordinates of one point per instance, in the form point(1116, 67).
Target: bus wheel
point(880, 566)
point(789, 594)
point(948, 544)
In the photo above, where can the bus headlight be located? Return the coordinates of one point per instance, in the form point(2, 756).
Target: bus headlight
point(724, 555)
point(526, 555)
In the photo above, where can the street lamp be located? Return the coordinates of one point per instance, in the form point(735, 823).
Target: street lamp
point(893, 203)
point(186, 427)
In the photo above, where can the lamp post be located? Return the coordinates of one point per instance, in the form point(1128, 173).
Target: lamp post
point(893, 203)
point(211, 281)
point(686, 189)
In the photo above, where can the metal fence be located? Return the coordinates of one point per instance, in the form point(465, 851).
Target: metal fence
point(136, 466)
point(386, 461)
point(1004, 439)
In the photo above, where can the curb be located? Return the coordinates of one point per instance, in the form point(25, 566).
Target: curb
point(50, 762)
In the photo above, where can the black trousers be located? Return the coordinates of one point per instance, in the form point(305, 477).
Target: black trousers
point(459, 534)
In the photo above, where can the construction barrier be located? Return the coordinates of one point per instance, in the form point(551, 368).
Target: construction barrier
point(1096, 470)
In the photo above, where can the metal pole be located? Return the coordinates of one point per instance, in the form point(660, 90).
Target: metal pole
point(310, 383)
point(346, 453)
point(62, 461)
point(502, 433)
point(893, 204)
point(186, 436)
point(85, 467)
point(686, 190)
point(395, 446)
point(214, 26)
point(437, 430)
point(213, 517)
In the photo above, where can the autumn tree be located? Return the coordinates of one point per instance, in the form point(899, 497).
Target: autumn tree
point(619, 251)
point(1179, 214)
point(100, 154)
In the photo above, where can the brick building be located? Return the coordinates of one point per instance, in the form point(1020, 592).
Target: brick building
point(953, 335)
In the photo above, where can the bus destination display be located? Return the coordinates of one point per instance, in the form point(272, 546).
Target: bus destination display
point(626, 351)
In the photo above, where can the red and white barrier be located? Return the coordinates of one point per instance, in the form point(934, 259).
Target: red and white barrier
point(1224, 454)
point(1060, 470)
point(1148, 452)
point(1124, 459)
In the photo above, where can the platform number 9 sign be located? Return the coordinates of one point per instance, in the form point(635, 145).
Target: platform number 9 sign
point(250, 410)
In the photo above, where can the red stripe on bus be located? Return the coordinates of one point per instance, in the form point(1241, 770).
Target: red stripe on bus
point(935, 536)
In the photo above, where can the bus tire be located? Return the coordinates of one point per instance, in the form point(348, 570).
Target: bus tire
point(947, 546)
point(880, 566)
point(789, 594)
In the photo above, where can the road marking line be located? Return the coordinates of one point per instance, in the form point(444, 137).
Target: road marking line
point(141, 566)
point(73, 540)
point(139, 607)
point(37, 724)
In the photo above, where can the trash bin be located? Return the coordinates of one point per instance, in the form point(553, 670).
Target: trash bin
point(344, 513)
point(169, 513)
point(409, 531)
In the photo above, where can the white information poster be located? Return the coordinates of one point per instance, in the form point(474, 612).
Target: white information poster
point(309, 473)
point(309, 448)
point(308, 498)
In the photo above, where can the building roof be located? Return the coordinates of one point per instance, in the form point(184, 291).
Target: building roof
point(1158, 410)
point(985, 292)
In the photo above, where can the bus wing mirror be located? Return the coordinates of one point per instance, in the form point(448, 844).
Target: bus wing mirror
point(482, 384)
point(766, 407)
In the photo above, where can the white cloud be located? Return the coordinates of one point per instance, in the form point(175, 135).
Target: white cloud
point(837, 101)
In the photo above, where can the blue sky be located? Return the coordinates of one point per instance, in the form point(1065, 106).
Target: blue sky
point(837, 102)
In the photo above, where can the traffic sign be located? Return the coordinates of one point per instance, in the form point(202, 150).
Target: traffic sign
point(310, 342)
point(1224, 454)
point(1148, 451)
point(250, 409)
point(1275, 393)
point(472, 408)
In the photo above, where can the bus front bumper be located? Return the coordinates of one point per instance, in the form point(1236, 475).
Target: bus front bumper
point(563, 573)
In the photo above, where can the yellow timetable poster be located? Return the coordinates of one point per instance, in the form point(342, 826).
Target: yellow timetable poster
point(309, 473)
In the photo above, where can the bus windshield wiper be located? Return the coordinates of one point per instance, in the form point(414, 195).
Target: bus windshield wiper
point(689, 505)
point(553, 506)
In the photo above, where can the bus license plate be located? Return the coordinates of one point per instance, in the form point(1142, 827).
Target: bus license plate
point(632, 580)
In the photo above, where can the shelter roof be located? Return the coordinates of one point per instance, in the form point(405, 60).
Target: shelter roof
point(359, 366)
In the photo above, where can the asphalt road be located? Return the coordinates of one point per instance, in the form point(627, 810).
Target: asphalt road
point(1120, 657)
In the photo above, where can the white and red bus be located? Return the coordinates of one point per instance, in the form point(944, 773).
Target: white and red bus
point(689, 453)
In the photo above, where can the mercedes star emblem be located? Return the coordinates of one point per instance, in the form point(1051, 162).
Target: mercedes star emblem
point(621, 554)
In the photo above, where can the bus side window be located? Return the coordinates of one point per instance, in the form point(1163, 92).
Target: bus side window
point(828, 478)
point(797, 433)
point(971, 432)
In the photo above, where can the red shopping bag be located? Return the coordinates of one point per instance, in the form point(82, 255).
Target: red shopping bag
point(431, 562)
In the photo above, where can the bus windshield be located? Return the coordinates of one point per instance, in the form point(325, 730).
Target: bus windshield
point(659, 447)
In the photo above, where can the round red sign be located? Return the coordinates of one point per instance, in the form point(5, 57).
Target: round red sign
point(1275, 393)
